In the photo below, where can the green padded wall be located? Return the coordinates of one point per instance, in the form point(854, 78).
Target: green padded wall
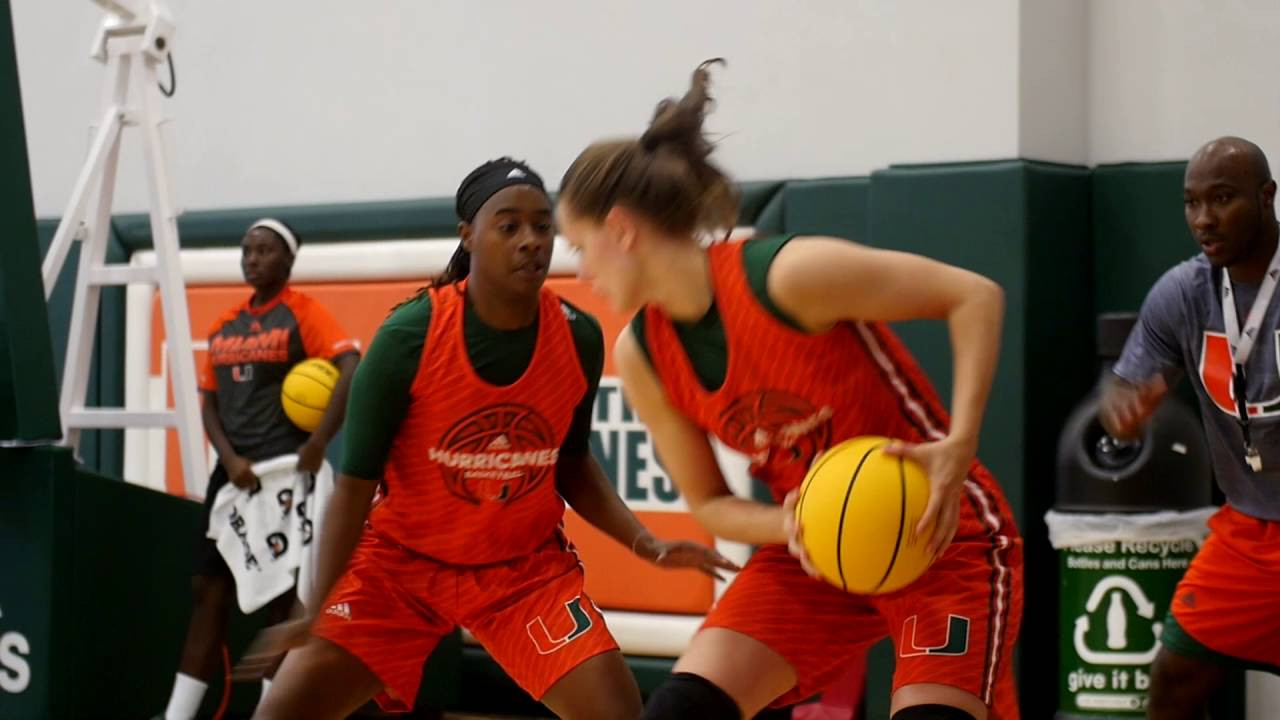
point(835, 206)
point(1058, 359)
point(1025, 225)
point(1139, 230)
point(315, 223)
point(101, 569)
point(28, 391)
point(971, 216)
point(387, 220)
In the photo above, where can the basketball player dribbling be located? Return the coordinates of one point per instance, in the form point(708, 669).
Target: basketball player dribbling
point(777, 347)
point(472, 411)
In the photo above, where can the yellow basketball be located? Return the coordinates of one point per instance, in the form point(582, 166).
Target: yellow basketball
point(306, 391)
point(858, 509)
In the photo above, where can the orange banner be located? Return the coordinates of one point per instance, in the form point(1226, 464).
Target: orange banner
point(615, 578)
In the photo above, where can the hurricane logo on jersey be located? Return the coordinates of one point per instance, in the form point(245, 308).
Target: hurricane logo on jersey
point(776, 427)
point(497, 454)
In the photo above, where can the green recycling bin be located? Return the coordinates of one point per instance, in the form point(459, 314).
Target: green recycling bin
point(1117, 573)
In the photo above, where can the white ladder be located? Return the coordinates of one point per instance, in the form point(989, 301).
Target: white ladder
point(133, 42)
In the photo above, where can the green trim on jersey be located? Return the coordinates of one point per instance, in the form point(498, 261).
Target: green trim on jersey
point(379, 396)
point(704, 339)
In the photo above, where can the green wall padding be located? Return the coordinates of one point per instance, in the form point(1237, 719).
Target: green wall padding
point(387, 220)
point(98, 580)
point(974, 218)
point(754, 196)
point(1024, 225)
point(1058, 370)
point(1139, 231)
point(28, 391)
point(838, 206)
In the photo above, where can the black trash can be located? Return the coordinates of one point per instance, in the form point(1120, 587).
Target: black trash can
point(1127, 520)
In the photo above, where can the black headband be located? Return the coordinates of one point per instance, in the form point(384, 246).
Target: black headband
point(485, 181)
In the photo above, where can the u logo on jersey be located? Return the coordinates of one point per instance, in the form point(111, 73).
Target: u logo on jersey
point(541, 637)
point(1215, 375)
point(497, 454)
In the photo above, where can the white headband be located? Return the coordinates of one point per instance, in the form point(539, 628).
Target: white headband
point(279, 229)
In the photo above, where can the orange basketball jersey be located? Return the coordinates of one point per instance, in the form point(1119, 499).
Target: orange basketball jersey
point(789, 395)
point(470, 478)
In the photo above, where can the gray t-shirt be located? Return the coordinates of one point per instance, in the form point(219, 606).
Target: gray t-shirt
point(1180, 330)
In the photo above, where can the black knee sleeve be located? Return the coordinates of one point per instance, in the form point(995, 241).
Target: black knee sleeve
point(931, 712)
point(685, 696)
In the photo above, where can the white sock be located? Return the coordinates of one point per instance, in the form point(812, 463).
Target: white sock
point(184, 703)
point(266, 686)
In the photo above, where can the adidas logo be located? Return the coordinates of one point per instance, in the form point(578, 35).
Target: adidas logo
point(342, 610)
point(516, 173)
point(500, 443)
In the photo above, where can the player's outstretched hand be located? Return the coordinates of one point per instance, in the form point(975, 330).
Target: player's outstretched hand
point(673, 554)
point(269, 646)
point(946, 462)
point(1125, 406)
point(795, 533)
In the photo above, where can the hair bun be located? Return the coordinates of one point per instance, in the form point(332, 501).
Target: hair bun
point(679, 122)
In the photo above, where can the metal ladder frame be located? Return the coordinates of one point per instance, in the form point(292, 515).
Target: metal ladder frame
point(133, 42)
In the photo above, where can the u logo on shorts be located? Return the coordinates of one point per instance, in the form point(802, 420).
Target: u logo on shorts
point(957, 642)
point(541, 637)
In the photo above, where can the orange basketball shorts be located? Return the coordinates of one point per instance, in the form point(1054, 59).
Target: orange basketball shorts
point(392, 606)
point(1228, 603)
point(954, 626)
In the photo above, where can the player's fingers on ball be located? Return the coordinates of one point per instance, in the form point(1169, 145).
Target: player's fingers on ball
point(941, 525)
point(898, 448)
point(809, 568)
point(794, 546)
point(948, 520)
point(789, 502)
point(946, 543)
point(930, 511)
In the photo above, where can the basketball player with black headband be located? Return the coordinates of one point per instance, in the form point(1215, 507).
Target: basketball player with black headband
point(473, 412)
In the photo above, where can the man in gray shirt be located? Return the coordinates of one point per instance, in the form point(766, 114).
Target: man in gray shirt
point(1215, 318)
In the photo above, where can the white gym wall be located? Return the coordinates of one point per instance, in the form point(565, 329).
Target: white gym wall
point(304, 101)
point(1167, 75)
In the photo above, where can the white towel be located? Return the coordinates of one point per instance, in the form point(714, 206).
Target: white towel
point(268, 535)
